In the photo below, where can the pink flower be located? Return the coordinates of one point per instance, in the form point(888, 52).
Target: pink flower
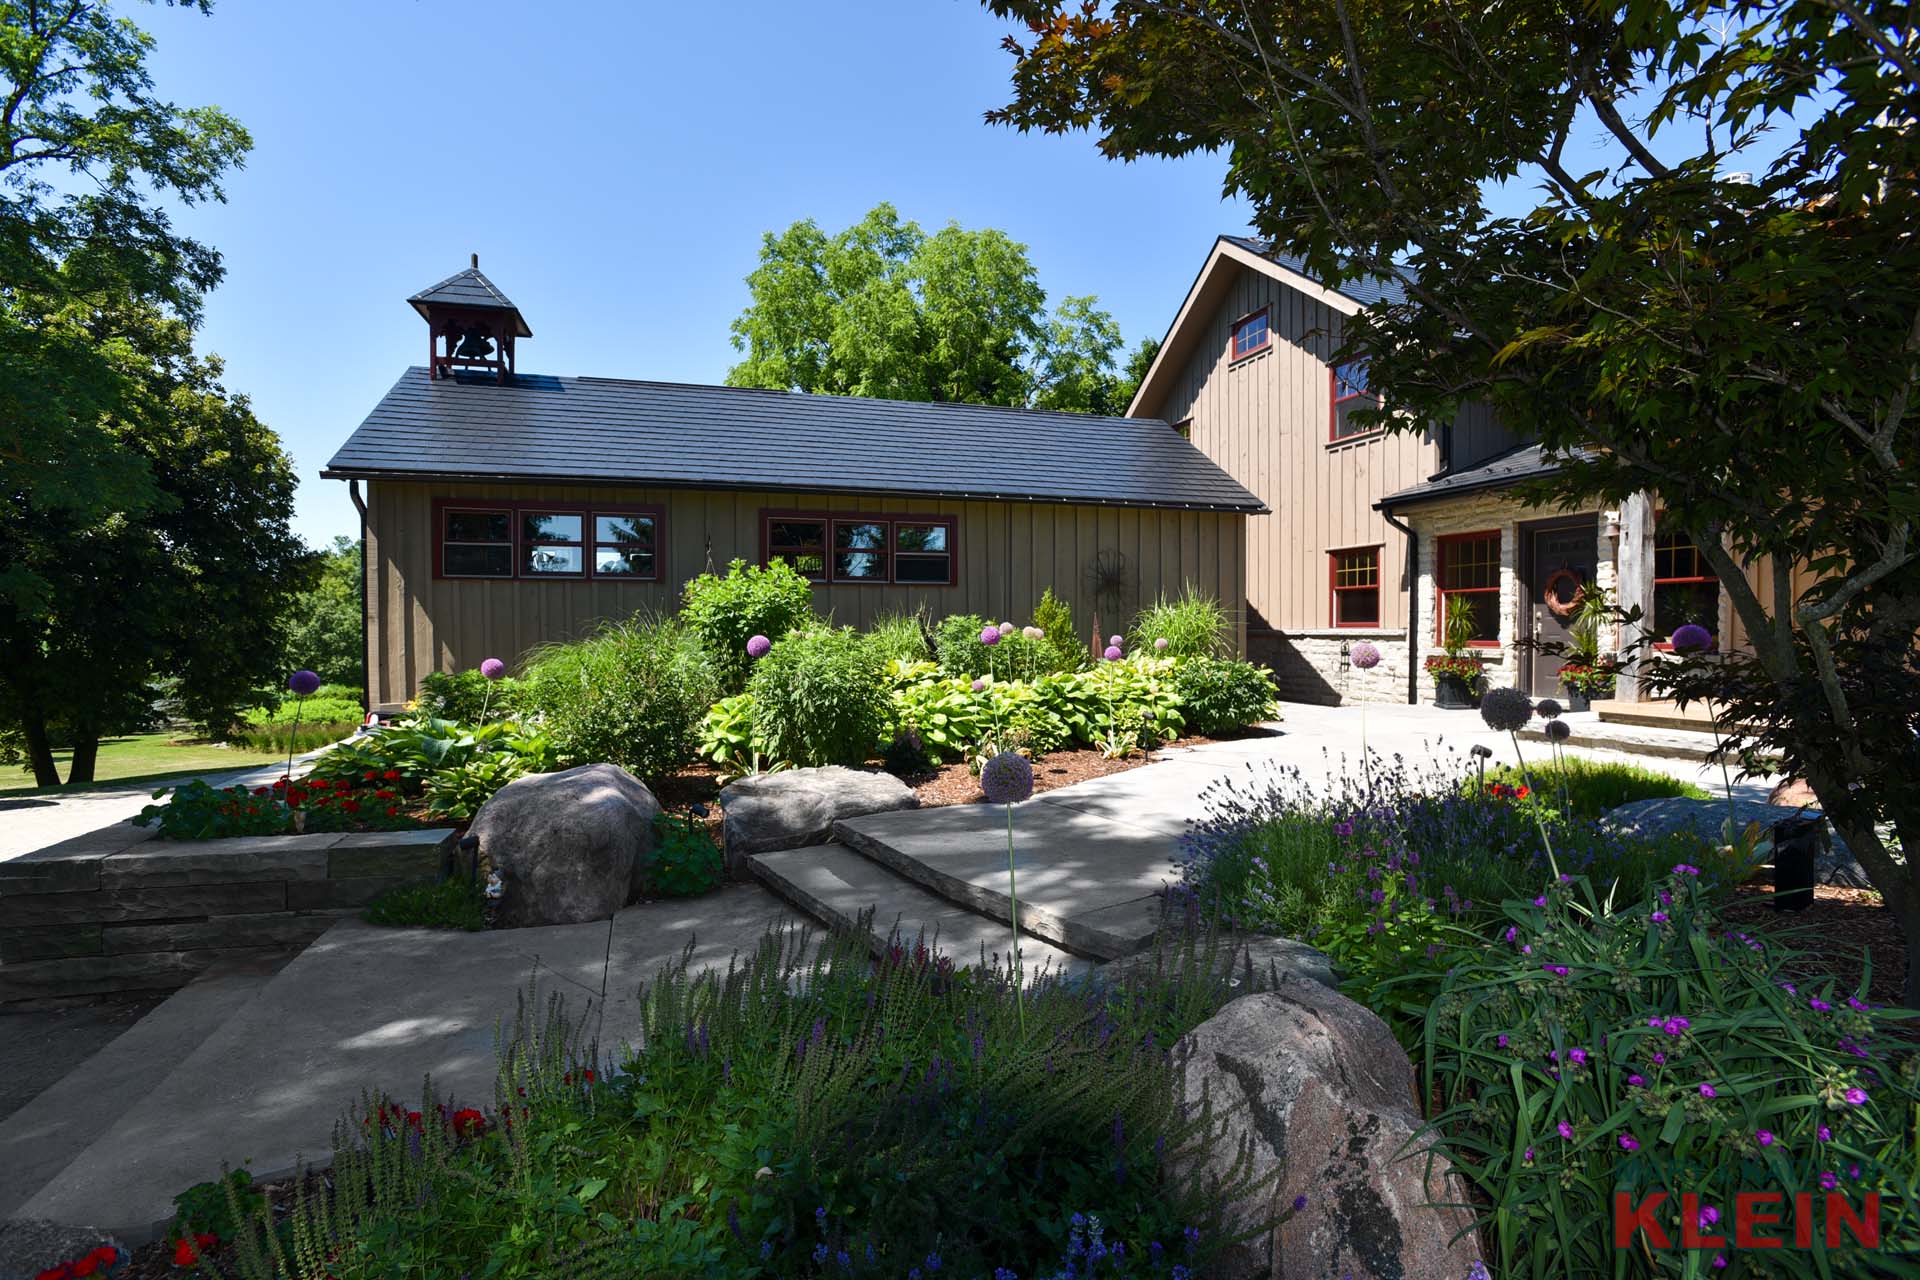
point(1856, 1096)
point(1828, 1182)
point(1629, 1143)
point(1636, 1080)
point(1566, 1130)
point(1706, 1091)
point(1763, 1136)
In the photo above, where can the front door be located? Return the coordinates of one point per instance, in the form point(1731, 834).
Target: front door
point(1559, 561)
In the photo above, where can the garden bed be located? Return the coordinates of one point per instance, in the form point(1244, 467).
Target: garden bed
point(1842, 927)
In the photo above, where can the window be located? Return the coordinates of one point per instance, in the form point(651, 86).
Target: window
point(624, 547)
point(1356, 587)
point(858, 549)
point(1250, 334)
point(548, 541)
point(550, 544)
point(476, 544)
point(1469, 577)
point(1350, 392)
point(1684, 586)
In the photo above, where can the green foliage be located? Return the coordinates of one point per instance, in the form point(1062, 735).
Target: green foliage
point(957, 647)
point(724, 612)
point(944, 711)
point(1075, 364)
point(221, 1208)
point(417, 748)
point(323, 622)
point(796, 1101)
point(1678, 1055)
point(1218, 695)
point(820, 698)
point(1458, 628)
point(467, 696)
point(631, 694)
point(1585, 788)
point(197, 811)
point(1054, 616)
point(684, 862)
point(899, 637)
point(725, 735)
point(1194, 626)
point(288, 738)
point(453, 903)
point(457, 791)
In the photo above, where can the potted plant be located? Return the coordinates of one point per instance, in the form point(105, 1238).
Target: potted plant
point(1456, 672)
point(1587, 673)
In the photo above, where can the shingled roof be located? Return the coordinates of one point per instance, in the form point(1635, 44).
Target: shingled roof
point(469, 289)
point(616, 431)
point(1522, 462)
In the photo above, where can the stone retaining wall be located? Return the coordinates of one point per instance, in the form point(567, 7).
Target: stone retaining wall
point(117, 910)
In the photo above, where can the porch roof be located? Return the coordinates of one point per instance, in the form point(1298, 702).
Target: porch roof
point(1522, 462)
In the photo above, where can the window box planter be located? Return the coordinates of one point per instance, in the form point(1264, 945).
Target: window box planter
point(1456, 681)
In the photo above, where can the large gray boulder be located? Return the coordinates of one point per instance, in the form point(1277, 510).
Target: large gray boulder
point(798, 807)
point(1833, 865)
point(570, 846)
point(1321, 1094)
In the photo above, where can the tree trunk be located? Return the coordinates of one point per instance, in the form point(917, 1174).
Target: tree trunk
point(39, 751)
point(86, 749)
point(1855, 823)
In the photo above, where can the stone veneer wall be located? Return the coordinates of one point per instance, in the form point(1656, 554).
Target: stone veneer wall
point(117, 910)
point(1312, 666)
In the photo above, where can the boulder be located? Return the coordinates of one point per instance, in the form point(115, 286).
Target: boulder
point(1834, 865)
point(1321, 1093)
point(798, 807)
point(29, 1246)
point(570, 846)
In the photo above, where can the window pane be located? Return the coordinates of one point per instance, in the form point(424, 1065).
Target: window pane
point(795, 533)
point(1356, 568)
point(808, 564)
point(478, 526)
point(468, 560)
point(912, 568)
point(859, 537)
point(622, 562)
point(1486, 613)
point(921, 537)
point(637, 530)
point(1677, 603)
point(549, 527)
point(548, 560)
point(1250, 334)
point(1350, 379)
point(1471, 563)
point(1354, 607)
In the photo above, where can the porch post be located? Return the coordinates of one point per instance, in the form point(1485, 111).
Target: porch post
point(1634, 564)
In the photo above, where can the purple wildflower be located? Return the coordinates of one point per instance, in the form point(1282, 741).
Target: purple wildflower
point(1856, 1096)
point(1707, 1091)
point(1636, 1080)
point(1763, 1136)
point(1566, 1130)
point(1629, 1143)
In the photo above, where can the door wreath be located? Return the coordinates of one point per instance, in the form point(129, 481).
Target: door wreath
point(1550, 594)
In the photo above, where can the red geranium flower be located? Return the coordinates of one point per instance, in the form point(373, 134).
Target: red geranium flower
point(392, 810)
point(369, 775)
point(468, 1123)
point(1521, 791)
point(187, 1252)
point(391, 775)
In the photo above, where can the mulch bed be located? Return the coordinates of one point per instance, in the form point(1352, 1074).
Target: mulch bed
point(956, 784)
point(1834, 935)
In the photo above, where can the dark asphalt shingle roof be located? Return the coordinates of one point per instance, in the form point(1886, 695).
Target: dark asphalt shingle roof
point(611, 430)
point(1366, 291)
point(1522, 462)
point(469, 289)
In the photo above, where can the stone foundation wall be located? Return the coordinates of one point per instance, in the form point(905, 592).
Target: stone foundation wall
point(118, 910)
point(1312, 666)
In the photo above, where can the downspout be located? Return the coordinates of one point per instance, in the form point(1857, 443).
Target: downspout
point(366, 668)
point(1413, 605)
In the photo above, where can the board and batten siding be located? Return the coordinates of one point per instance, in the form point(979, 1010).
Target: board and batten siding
point(1008, 553)
point(1265, 419)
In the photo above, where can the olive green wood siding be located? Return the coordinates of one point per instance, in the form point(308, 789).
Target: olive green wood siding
point(1008, 554)
point(1265, 420)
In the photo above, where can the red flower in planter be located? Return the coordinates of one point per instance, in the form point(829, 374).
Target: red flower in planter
point(468, 1123)
point(188, 1252)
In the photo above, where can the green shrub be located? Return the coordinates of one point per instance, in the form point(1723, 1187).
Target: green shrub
point(322, 707)
point(794, 1109)
point(685, 862)
point(1194, 626)
point(632, 694)
point(1588, 788)
point(1219, 695)
point(1054, 616)
point(453, 903)
point(1017, 656)
point(899, 637)
point(725, 734)
point(723, 613)
point(820, 698)
point(295, 739)
point(466, 696)
point(1579, 1052)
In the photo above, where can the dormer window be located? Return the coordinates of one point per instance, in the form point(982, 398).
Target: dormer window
point(1251, 334)
point(1350, 392)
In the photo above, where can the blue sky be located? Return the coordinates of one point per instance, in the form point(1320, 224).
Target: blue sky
point(615, 173)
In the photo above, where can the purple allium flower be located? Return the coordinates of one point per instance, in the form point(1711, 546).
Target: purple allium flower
point(1116, 641)
point(1707, 1091)
point(1856, 1096)
point(1007, 629)
point(1112, 654)
point(1629, 1143)
point(1691, 638)
point(1007, 778)
point(303, 683)
point(1566, 1130)
point(1548, 709)
point(1763, 1136)
point(1033, 633)
point(979, 684)
point(493, 668)
point(1364, 656)
point(1557, 731)
point(1160, 645)
point(1506, 710)
point(989, 635)
point(757, 646)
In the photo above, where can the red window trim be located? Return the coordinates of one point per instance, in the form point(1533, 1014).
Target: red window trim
point(515, 508)
point(1234, 356)
point(1334, 588)
point(1441, 592)
point(1666, 646)
point(1335, 400)
point(891, 519)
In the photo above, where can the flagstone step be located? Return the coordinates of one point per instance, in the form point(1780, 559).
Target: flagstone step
point(837, 887)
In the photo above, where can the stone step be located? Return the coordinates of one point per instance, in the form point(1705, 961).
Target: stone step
point(837, 886)
point(49, 1133)
point(1638, 740)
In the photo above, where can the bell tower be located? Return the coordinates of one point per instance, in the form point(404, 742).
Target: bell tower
point(470, 324)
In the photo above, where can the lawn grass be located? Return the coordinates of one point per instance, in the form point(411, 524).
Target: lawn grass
point(146, 757)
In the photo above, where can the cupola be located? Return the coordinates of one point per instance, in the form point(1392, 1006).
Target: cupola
point(472, 325)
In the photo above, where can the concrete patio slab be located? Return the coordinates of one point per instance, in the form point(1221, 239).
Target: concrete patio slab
point(372, 1008)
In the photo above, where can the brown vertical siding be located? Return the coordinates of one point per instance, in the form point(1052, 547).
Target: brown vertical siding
point(1265, 420)
point(1008, 554)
